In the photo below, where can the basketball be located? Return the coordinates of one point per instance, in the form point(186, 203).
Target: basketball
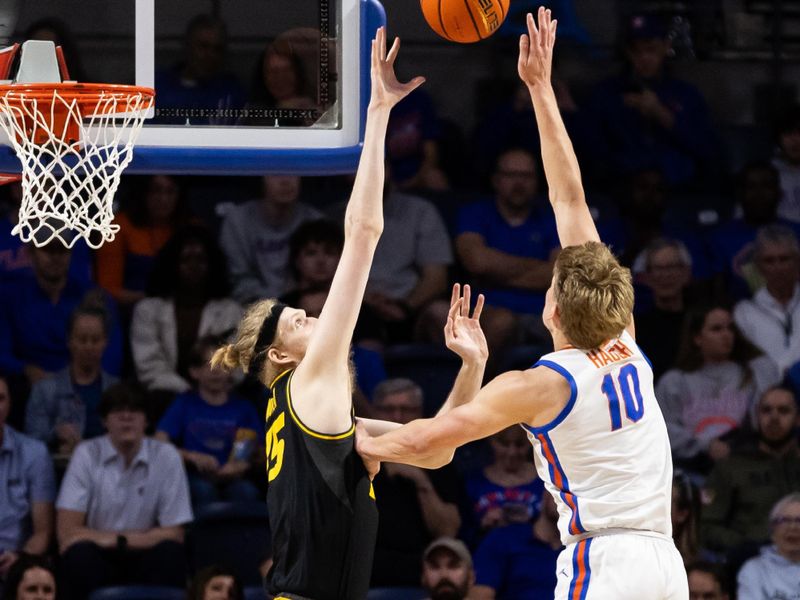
point(464, 21)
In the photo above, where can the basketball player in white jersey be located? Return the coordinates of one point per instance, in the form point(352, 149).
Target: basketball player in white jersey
point(600, 442)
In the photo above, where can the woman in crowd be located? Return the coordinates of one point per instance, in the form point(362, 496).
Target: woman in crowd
point(30, 578)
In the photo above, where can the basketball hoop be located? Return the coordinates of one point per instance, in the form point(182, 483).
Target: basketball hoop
point(73, 140)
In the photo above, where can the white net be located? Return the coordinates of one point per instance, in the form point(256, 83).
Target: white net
point(73, 149)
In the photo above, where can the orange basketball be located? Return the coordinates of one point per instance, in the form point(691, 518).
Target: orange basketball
point(464, 21)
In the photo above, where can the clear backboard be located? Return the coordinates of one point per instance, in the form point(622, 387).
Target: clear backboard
point(242, 87)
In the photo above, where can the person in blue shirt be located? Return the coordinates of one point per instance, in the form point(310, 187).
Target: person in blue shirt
point(216, 433)
point(27, 492)
point(64, 409)
point(518, 562)
point(506, 245)
point(200, 81)
point(506, 491)
point(758, 192)
point(34, 318)
point(644, 116)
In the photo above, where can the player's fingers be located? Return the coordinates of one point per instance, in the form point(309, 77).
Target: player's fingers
point(476, 314)
point(382, 43)
point(553, 27)
point(533, 32)
point(393, 51)
point(455, 294)
point(414, 84)
point(466, 304)
point(524, 47)
point(454, 309)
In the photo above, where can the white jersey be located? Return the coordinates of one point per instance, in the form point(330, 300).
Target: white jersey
point(606, 457)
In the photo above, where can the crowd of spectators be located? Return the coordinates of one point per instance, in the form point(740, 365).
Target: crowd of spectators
point(115, 432)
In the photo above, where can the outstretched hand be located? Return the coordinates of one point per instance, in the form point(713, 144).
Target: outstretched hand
point(535, 63)
point(462, 332)
point(386, 90)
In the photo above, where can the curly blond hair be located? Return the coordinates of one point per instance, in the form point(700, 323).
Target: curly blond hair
point(241, 351)
point(594, 294)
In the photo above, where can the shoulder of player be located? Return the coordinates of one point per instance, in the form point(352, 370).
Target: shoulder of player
point(542, 381)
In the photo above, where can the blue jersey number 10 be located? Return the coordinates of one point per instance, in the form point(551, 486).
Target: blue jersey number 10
point(628, 384)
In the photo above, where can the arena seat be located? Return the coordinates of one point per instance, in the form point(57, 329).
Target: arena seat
point(138, 592)
point(255, 593)
point(233, 534)
point(397, 593)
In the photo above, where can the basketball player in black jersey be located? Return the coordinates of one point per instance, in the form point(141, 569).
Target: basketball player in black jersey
point(321, 502)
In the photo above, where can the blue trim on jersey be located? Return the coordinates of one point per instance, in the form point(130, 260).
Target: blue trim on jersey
point(557, 475)
point(588, 565)
point(572, 397)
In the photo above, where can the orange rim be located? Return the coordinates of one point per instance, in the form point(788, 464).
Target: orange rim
point(84, 93)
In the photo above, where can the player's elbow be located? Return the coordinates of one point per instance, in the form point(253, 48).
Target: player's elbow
point(364, 224)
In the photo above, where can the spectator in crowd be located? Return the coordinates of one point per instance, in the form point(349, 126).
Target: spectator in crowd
point(758, 193)
point(447, 572)
point(255, 238)
point(741, 490)
point(314, 251)
point(56, 31)
point(31, 578)
point(710, 393)
point(281, 80)
point(217, 434)
point(15, 257)
point(643, 219)
point(416, 505)
point(122, 505)
point(706, 582)
point(412, 148)
point(775, 573)
point(507, 245)
point(788, 164)
point(200, 80)
point(685, 516)
point(645, 117)
point(506, 491)
point(63, 409)
point(518, 562)
point(27, 491)
point(156, 208)
point(770, 319)
point(408, 280)
point(215, 583)
point(667, 272)
point(34, 318)
point(187, 299)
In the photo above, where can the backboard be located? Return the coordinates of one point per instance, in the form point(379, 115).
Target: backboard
point(246, 87)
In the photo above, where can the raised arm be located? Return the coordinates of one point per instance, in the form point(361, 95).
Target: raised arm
point(575, 223)
point(324, 369)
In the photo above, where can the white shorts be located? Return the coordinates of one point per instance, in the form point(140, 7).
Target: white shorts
point(622, 566)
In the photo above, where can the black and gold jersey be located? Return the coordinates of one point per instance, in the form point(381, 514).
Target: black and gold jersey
point(322, 511)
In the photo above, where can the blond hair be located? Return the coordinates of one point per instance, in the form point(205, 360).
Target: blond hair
point(241, 352)
point(594, 294)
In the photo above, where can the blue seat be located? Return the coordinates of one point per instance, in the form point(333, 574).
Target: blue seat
point(254, 593)
point(397, 593)
point(138, 592)
point(234, 534)
point(432, 367)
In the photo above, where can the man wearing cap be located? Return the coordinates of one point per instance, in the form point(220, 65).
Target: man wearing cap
point(122, 506)
point(447, 572)
point(645, 118)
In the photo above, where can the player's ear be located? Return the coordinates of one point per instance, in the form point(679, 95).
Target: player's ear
point(278, 356)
